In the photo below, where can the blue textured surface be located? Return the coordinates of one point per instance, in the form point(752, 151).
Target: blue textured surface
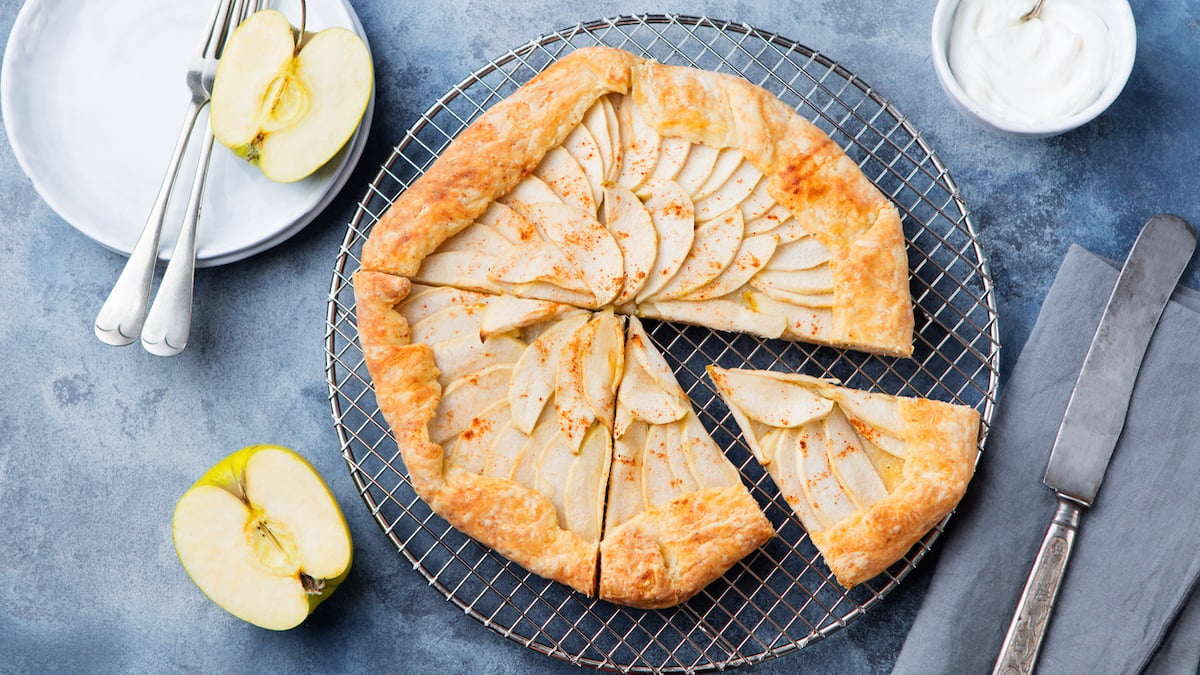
point(97, 443)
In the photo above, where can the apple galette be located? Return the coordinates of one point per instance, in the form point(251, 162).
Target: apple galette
point(866, 474)
point(495, 291)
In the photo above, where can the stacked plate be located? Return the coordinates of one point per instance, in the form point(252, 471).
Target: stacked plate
point(93, 96)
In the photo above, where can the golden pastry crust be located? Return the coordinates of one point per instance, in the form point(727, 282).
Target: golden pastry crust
point(520, 524)
point(516, 521)
point(667, 554)
point(942, 444)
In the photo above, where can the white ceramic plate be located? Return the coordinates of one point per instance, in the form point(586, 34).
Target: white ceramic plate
point(93, 96)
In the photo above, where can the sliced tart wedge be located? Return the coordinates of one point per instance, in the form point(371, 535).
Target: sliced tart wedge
point(867, 474)
point(678, 515)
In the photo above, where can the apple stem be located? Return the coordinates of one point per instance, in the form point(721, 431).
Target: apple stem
point(303, 21)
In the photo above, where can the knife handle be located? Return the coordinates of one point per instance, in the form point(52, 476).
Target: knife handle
point(1028, 626)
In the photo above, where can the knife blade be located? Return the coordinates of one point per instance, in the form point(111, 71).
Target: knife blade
point(1094, 418)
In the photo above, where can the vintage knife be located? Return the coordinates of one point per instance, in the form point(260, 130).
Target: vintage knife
point(1094, 418)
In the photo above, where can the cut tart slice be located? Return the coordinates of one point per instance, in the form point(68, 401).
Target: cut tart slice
point(678, 515)
point(666, 192)
point(867, 474)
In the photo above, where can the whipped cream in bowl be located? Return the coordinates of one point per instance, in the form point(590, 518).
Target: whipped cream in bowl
point(1036, 77)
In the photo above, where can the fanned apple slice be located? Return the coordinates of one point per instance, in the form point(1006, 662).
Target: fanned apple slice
point(509, 224)
point(476, 237)
point(878, 421)
point(625, 494)
point(531, 190)
point(575, 414)
point(461, 269)
point(608, 106)
point(713, 249)
point(672, 153)
point(768, 221)
point(673, 215)
point(683, 479)
point(767, 440)
point(588, 245)
point(551, 471)
point(453, 322)
point(524, 471)
point(896, 447)
point(539, 261)
point(719, 314)
point(728, 162)
point(800, 322)
point(639, 145)
point(730, 194)
point(850, 462)
point(503, 453)
point(829, 502)
point(464, 397)
point(785, 473)
point(804, 300)
point(466, 354)
point(603, 362)
point(648, 389)
point(759, 202)
point(508, 312)
point(708, 464)
point(629, 222)
point(583, 147)
point(470, 450)
point(596, 121)
point(585, 487)
point(801, 254)
point(791, 230)
point(423, 301)
point(751, 257)
point(659, 484)
point(533, 377)
point(811, 281)
point(769, 398)
point(876, 410)
point(699, 166)
point(563, 174)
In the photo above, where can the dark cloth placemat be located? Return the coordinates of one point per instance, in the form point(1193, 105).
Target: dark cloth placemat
point(1137, 555)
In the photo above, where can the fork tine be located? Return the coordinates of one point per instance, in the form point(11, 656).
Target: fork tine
point(218, 25)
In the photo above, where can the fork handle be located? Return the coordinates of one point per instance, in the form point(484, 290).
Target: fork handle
point(121, 317)
point(169, 321)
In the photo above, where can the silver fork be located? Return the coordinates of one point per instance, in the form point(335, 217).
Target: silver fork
point(168, 323)
point(123, 314)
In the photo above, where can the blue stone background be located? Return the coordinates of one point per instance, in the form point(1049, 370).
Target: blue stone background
point(97, 443)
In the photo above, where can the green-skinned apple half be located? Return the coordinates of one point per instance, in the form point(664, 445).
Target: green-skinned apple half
point(287, 109)
point(261, 534)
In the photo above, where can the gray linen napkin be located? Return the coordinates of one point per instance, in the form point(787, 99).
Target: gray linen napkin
point(1137, 555)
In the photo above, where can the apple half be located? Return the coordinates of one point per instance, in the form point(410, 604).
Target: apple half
point(261, 534)
point(287, 108)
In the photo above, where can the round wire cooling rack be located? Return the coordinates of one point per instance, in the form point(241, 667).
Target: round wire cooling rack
point(781, 597)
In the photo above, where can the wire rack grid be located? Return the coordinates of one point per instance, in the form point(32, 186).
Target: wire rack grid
point(781, 597)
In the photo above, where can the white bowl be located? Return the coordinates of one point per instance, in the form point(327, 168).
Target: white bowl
point(1120, 20)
